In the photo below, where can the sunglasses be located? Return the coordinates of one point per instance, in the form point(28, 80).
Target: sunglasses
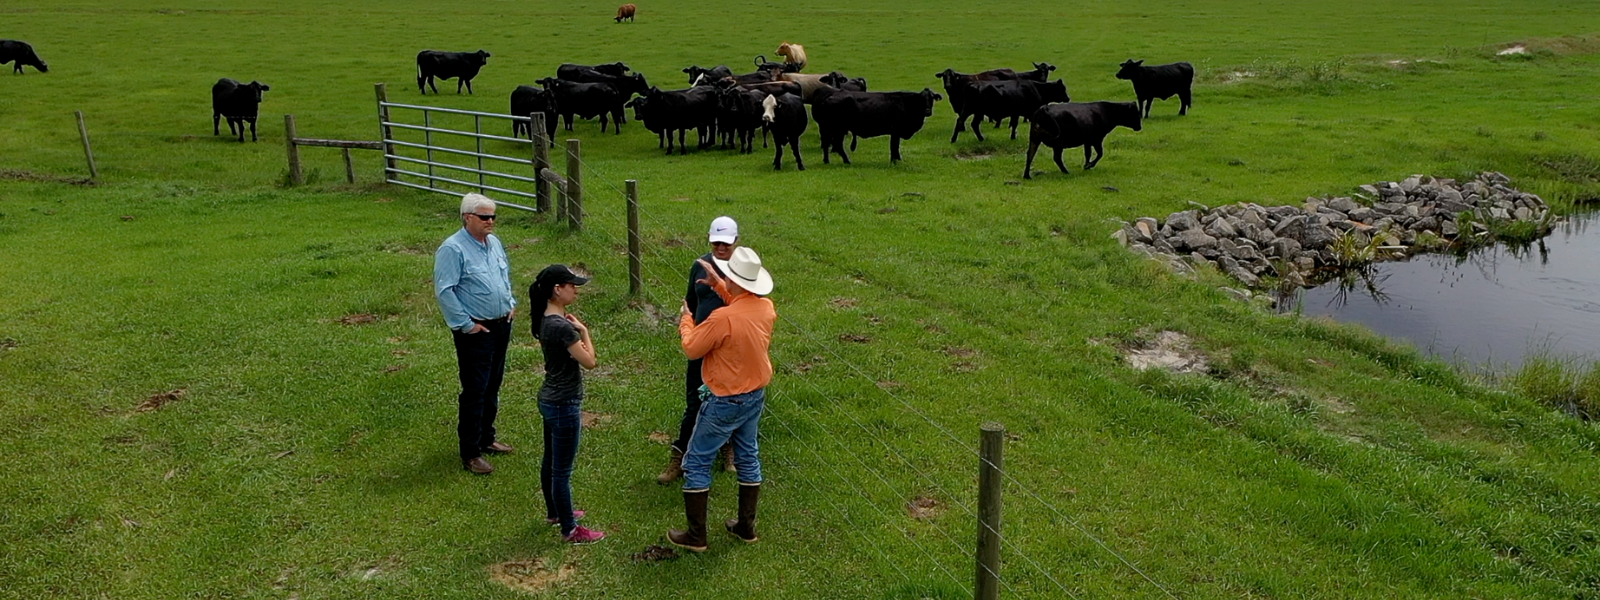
point(482, 217)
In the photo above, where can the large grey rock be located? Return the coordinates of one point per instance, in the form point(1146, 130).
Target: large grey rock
point(1524, 214)
point(1363, 214)
point(1499, 214)
point(1221, 228)
point(1284, 247)
point(1370, 189)
point(1182, 221)
point(1427, 224)
point(1254, 217)
point(1244, 276)
point(1193, 239)
point(1410, 184)
point(1292, 227)
point(1227, 246)
point(1305, 264)
point(1343, 204)
point(1448, 229)
point(1318, 237)
point(1143, 230)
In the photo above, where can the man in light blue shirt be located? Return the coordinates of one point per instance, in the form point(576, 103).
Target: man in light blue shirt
point(473, 282)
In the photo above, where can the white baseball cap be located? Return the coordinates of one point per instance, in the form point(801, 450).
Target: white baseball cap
point(724, 230)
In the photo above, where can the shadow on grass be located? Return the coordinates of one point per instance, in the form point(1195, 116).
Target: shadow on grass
point(436, 470)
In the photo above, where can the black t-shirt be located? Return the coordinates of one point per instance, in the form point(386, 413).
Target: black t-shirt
point(563, 376)
point(700, 297)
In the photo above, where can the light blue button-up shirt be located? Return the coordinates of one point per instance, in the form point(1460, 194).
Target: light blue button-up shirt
point(472, 280)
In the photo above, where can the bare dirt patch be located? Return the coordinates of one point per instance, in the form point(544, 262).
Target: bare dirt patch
point(924, 508)
point(653, 316)
point(958, 352)
point(804, 367)
point(842, 302)
point(394, 368)
point(592, 420)
point(9, 343)
point(1168, 350)
point(531, 576)
point(156, 401)
point(886, 385)
point(655, 553)
point(659, 437)
point(358, 319)
point(964, 366)
point(22, 175)
point(854, 338)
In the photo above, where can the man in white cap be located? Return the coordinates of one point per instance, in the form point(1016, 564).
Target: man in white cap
point(473, 283)
point(701, 300)
point(733, 341)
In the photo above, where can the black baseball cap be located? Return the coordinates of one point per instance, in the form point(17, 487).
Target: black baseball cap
point(555, 275)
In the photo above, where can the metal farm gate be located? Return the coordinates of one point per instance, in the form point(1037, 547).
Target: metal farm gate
point(440, 154)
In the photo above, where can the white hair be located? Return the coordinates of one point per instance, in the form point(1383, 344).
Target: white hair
point(470, 203)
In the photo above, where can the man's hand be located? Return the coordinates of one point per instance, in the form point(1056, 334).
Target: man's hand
point(477, 328)
point(712, 278)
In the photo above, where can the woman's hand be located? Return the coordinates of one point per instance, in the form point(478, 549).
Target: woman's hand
point(576, 323)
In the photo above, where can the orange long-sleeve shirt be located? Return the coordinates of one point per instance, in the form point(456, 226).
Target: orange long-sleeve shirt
point(734, 342)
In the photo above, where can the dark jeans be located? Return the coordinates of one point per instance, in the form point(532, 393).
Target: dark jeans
point(481, 359)
point(691, 405)
point(562, 429)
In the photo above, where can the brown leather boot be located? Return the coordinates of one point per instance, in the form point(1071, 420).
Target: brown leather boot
point(744, 527)
point(674, 468)
point(727, 459)
point(694, 508)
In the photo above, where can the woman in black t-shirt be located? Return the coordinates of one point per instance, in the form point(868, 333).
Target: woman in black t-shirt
point(566, 344)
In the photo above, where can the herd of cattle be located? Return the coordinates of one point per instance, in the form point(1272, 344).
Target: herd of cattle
point(727, 108)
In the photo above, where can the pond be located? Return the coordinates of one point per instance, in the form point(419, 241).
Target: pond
point(1490, 307)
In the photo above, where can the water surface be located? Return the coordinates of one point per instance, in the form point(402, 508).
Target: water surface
point(1491, 306)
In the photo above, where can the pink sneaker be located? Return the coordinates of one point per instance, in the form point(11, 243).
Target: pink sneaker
point(577, 514)
point(583, 535)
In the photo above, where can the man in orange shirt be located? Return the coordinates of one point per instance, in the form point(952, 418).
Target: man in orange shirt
point(733, 341)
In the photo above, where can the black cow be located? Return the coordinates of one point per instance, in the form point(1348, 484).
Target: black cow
point(846, 83)
point(238, 103)
point(1164, 81)
point(1061, 126)
point(960, 89)
point(1015, 98)
point(22, 55)
point(526, 100)
point(591, 73)
point(586, 100)
point(869, 114)
point(739, 117)
point(463, 66)
point(712, 74)
point(785, 116)
point(666, 112)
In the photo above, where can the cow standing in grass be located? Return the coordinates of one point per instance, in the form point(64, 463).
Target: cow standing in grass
point(21, 54)
point(462, 66)
point(785, 116)
point(626, 11)
point(898, 115)
point(794, 56)
point(1086, 124)
point(526, 100)
point(238, 103)
point(1163, 81)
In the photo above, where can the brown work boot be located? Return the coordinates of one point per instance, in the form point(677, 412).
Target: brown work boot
point(744, 527)
point(674, 468)
point(727, 459)
point(499, 448)
point(694, 508)
point(478, 465)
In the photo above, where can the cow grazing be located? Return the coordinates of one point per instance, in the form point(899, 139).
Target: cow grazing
point(20, 54)
point(1062, 126)
point(238, 103)
point(793, 54)
point(626, 11)
point(1164, 81)
point(587, 100)
point(712, 74)
point(526, 100)
point(666, 112)
point(870, 114)
point(784, 115)
point(592, 73)
point(998, 100)
point(462, 66)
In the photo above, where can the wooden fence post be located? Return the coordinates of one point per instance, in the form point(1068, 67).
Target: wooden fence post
point(382, 91)
point(990, 481)
point(83, 132)
point(295, 175)
point(541, 160)
point(349, 167)
point(574, 185)
point(635, 258)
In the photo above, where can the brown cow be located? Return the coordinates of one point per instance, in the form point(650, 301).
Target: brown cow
point(793, 54)
point(626, 12)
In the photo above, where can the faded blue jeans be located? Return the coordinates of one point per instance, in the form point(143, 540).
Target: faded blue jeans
point(562, 428)
point(723, 418)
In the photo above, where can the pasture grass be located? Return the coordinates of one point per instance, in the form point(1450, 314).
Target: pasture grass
point(196, 403)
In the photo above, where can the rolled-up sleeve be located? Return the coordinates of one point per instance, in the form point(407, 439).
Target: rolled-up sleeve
point(446, 276)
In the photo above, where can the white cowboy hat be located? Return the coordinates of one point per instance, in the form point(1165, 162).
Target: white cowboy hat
point(745, 269)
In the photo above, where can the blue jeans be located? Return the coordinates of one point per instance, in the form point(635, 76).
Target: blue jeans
point(562, 428)
point(723, 418)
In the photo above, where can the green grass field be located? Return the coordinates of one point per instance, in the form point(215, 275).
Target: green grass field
point(315, 459)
